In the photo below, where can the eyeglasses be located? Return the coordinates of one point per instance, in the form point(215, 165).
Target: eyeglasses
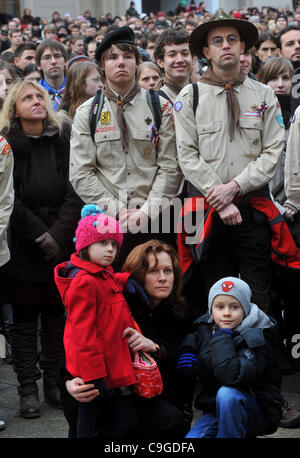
point(48, 57)
point(218, 41)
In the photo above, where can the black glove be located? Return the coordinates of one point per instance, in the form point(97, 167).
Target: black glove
point(134, 287)
point(100, 385)
point(186, 366)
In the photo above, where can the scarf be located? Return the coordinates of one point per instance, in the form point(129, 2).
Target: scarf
point(57, 93)
point(172, 85)
point(255, 319)
point(233, 107)
point(120, 110)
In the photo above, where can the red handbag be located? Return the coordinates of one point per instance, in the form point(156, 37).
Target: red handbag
point(149, 383)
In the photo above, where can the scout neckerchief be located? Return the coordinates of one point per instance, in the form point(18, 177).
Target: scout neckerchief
point(120, 110)
point(233, 106)
point(57, 93)
point(172, 85)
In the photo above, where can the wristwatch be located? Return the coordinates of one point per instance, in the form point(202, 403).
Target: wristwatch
point(157, 348)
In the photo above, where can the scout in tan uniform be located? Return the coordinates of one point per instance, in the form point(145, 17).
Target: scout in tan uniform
point(173, 55)
point(128, 164)
point(230, 148)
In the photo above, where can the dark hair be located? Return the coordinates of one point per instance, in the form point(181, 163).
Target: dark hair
point(285, 30)
point(30, 68)
point(169, 37)
point(27, 46)
point(150, 36)
point(83, 254)
point(51, 44)
point(265, 36)
point(125, 47)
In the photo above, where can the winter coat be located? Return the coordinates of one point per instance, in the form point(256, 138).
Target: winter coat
point(44, 202)
point(166, 328)
point(97, 314)
point(246, 361)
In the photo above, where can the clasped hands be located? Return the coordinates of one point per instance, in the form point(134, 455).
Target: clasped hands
point(220, 197)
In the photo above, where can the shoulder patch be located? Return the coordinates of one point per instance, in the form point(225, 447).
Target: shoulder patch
point(293, 119)
point(280, 120)
point(6, 149)
point(177, 105)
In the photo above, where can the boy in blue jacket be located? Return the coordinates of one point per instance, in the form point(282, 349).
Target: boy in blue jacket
point(232, 353)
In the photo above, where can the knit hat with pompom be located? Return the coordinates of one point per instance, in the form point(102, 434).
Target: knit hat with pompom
point(95, 226)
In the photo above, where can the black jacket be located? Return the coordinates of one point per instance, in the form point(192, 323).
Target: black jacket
point(246, 361)
point(44, 202)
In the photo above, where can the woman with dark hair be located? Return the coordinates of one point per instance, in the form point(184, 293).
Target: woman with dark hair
point(266, 46)
point(31, 73)
point(163, 322)
point(45, 214)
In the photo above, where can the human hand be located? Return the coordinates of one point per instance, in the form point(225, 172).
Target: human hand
point(221, 195)
point(82, 392)
point(186, 365)
point(49, 245)
point(230, 215)
point(138, 342)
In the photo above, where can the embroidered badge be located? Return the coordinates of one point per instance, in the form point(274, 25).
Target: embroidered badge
point(227, 285)
point(177, 105)
point(257, 112)
point(248, 353)
point(147, 152)
point(6, 149)
point(105, 129)
point(280, 120)
point(148, 121)
point(105, 117)
point(293, 119)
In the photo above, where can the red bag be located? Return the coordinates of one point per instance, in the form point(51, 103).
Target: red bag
point(149, 383)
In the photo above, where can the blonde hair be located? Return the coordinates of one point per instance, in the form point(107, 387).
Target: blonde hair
point(8, 113)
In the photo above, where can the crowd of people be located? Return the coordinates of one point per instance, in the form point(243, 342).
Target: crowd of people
point(124, 132)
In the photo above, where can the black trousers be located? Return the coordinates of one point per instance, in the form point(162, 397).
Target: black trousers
point(242, 250)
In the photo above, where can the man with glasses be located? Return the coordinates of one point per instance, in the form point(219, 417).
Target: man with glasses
point(51, 57)
point(228, 149)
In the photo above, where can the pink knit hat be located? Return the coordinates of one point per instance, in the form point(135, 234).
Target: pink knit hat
point(95, 226)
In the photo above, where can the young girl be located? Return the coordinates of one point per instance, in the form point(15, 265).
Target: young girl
point(97, 315)
point(232, 352)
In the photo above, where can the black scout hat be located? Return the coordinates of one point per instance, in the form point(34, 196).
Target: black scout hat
point(120, 35)
point(198, 37)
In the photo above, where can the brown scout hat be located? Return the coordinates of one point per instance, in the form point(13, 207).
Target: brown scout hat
point(198, 37)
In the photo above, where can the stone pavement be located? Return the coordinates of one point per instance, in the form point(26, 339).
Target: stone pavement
point(52, 424)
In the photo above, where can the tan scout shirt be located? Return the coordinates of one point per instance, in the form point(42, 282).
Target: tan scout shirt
point(6, 196)
point(206, 154)
point(104, 174)
point(292, 163)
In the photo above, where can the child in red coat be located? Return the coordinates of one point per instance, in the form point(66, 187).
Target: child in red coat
point(97, 314)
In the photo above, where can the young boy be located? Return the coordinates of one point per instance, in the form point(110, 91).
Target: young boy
point(231, 353)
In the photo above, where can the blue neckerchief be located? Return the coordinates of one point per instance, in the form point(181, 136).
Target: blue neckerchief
point(58, 93)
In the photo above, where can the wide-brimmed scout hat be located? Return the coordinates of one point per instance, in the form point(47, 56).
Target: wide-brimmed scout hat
point(198, 37)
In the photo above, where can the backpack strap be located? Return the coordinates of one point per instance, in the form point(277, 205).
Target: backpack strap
point(195, 97)
point(95, 112)
point(154, 105)
point(164, 95)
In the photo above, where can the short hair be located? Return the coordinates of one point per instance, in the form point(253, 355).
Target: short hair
point(150, 36)
point(125, 47)
point(285, 30)
point(4, 65)
point(74, 39)
point(30, 68)
point(169, 37)
point(27, 46)
point(11, 32)
point(273, 67)
point(49, 28)
point(51, 44)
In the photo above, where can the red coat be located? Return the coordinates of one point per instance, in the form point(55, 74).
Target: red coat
point(97, 314)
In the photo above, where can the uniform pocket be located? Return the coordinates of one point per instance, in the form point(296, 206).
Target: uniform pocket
point(252, 131)
point(109, 149)
point(209, 138)
point(146, 152)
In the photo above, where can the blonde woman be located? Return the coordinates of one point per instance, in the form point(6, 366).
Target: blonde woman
point(149, 75)
point(43, 220)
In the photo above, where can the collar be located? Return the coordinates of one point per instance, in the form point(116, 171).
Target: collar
point(90, 267)
point(50, 89)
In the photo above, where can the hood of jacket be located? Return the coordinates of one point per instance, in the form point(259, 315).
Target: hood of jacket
point(65, 272)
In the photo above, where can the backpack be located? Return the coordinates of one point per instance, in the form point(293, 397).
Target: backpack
point(153, 103)
point(97, 105)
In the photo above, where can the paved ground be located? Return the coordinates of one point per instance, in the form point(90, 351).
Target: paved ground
point(52, 423)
